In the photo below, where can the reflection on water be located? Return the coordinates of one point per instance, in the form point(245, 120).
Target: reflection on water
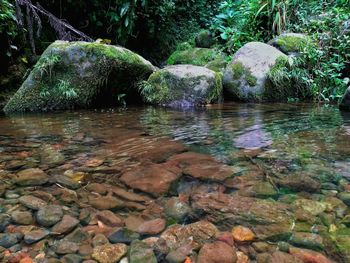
point(292, 159)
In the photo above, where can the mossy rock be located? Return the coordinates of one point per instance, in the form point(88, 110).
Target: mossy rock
point(80, 75)
point(290, 43)
point(182, 86)
point(245, 77)
point(194, 56)
point(204, 39)
point(345, 102)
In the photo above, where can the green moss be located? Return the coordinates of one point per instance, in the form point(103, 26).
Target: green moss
point(156, 90)
point(292, 43)
point(184, 46)
point(237, 70)
point(251, 80)
point(194, 56)
point(216, 94)
point(217, 65)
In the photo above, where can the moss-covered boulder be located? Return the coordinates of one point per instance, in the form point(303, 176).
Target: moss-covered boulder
point(245, 76)
point(291, 43)
point(345, 103)
point(80, 74)
point(182, 86)
point(204, 39)
point(207, 57)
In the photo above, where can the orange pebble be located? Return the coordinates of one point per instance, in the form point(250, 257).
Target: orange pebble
point(188, 260)
point(26, 260)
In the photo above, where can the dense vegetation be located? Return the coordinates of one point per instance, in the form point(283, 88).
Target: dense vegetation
point(154, 28)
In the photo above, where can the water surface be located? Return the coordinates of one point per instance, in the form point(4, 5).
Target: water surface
point(282, 154)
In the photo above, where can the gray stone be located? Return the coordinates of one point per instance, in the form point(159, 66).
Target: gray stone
point(31, 177)
point(141, 252)
point(49, 215)
point(9, 240)
point(183, 86)
point(22, 218)
point(32, 202)
point(345, 102)
point(35, 236)
point(245, 76)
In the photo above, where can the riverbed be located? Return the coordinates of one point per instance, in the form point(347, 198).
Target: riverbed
point(269, 180)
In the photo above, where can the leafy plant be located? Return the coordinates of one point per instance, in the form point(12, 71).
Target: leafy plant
point(65, 89)
point(121, 99)
point(8, 26)
point(46, 64)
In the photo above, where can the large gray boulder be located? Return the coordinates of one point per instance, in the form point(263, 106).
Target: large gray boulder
point(345, 103)
point(245, 77)
point(182, 86)
point(79, 74)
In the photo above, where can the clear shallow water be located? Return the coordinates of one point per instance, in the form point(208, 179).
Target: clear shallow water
point(280, 153)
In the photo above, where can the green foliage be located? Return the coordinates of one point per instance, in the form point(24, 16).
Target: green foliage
point(153, 28)
point(288, 81)
point(327, 63)
point(8, 26)
point(322, 70)
point(234, 24)
point(62, 89)
point(65, 89)
point(45, 64)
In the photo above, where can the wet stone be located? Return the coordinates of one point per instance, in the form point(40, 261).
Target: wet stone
point(242, 234)
point(99, 240)
point(67, 224)
point(71, 258)
point(141, 252)
point(67, 182)
point(8, 240)
point(109, 253)
point(226, 237)
point(177, 209)
point(77, 236)
point(97, 188)
point(35, 236)
point(11, 195)
point(300, 182)
point(32, 202)
point(217, 252)
point(85, 250)
point(4, 221)
point(345, 197)
point(123, 236)
point(105, 202)
point(22, 218)
point(195, 234)
point(155, 179)
point(66, 247)
point(306, 255)
point(108, 218)
point(49, 215)
point(307, 240)
point(179, 255)
point(310, 206)
point(152, 227)
point(31, 177)
point(278, 257)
